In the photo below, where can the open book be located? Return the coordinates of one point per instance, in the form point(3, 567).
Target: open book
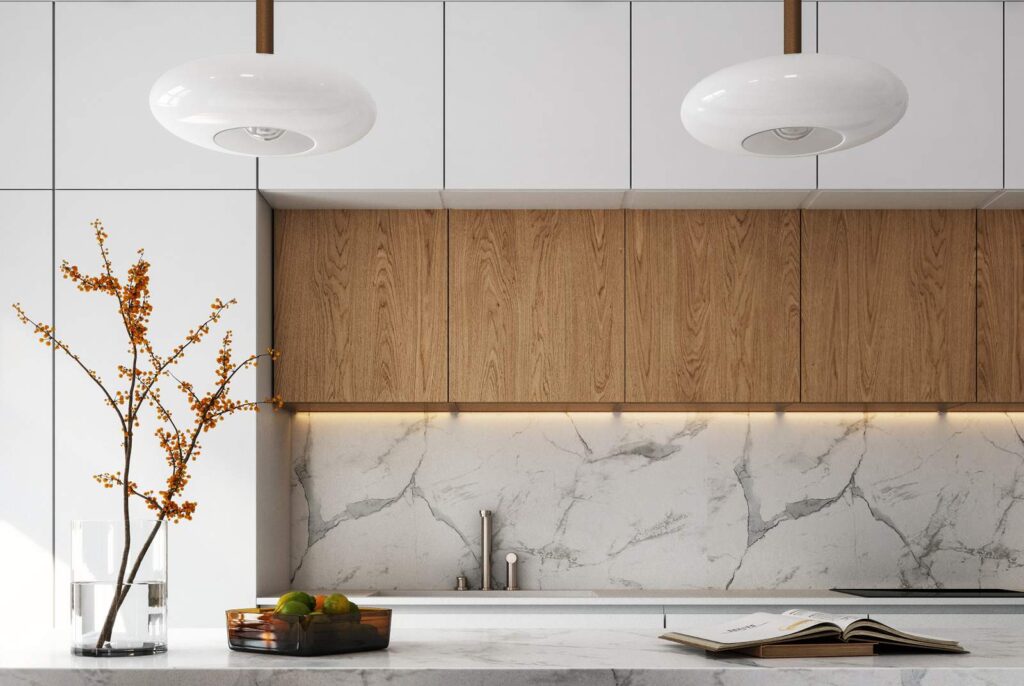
point(792, 626)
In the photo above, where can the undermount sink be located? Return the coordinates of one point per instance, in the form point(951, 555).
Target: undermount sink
point(483, 594)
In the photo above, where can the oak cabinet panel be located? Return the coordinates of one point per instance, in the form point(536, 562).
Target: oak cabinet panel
point(1001, 306)
point(888, 306)
point(536, 302)
point(359, 308)
point(713, 306)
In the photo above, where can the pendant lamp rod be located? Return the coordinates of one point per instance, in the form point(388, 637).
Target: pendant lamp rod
point(265, 26)
point(792, 26)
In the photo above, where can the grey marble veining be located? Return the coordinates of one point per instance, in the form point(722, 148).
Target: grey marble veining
point(660, 500)
point(451, 657)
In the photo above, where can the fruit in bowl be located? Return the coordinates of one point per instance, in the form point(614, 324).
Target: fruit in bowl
point(294, 599)
point(300, 603)
point(303, 624)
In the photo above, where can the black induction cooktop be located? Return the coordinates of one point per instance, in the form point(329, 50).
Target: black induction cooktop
point(930, 592)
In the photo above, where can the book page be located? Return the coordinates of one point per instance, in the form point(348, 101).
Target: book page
point(857, 626)
point(841, 621)
point(754, 628)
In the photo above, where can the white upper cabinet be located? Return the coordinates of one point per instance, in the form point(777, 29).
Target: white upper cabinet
point(1014, 95)
point(108, 56)
point(537, 95)
point(26, 76)
point(395, 49)
point(949, 55)
point(675, 45)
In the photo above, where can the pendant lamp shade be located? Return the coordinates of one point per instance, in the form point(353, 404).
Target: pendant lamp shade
point(794, 105)
point(261, 105)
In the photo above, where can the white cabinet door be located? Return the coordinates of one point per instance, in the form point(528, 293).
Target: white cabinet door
point(537, 95)
point(202, 244)
point(675, 45)
point(1014, 95)
point(395, 49)
point(26, 432)
point(26, 78)
point(108, 56)
point(950, 56)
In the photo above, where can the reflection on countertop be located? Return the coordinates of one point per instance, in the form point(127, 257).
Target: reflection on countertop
point(511, 657)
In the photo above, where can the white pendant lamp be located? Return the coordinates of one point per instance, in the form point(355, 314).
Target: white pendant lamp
point(262, 104)
point(794, 104)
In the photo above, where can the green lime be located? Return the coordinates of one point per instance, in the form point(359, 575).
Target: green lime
point(297, 596)
point(336, 604)
point(293, 608)
point(352, 607)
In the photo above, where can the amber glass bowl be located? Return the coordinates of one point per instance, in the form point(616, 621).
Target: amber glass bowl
point(262, 631)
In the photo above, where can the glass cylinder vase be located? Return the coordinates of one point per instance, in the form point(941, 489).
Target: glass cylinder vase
point(109, 619)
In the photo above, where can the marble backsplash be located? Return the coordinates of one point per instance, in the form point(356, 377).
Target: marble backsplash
point(660, 501)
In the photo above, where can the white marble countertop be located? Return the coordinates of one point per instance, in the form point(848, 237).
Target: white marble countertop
point(740, 599)
point(452, 657)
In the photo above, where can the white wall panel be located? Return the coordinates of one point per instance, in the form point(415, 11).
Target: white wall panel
point(675, 45)
point(395, 50)
point(108, 56)
point(537, 95)
point(202, 244)
point(26, 78)
point(25, 409)
point(1014, 84)
point(949, 55)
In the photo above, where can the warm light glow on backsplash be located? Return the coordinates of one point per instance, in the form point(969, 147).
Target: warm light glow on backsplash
point(661, 500)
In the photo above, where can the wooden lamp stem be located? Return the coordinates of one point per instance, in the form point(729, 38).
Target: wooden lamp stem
point(265, 26)
point(792, 26)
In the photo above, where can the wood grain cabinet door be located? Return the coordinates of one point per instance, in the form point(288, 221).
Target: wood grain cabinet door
point(536, 306)
point(712, 301)
point(888, 306)
point(359, 307)
point(1001, 306)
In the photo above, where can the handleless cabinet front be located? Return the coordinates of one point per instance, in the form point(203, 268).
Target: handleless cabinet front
point(359, 306)
point(950, 57)
point(1001, 306)
point(675, 45)
point(26, 79)
point(394, 49)
point(713, 306)
point(536, 300)
point(888, 306)
point(108, 54)
point(537, 95)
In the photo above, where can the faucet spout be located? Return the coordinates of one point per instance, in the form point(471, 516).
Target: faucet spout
point(485, 550)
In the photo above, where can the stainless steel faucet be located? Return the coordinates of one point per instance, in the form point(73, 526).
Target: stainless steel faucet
point(512, 572)
point(485, 550)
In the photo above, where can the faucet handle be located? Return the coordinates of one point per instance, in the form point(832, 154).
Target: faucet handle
point(461, 583)
point(512, 570)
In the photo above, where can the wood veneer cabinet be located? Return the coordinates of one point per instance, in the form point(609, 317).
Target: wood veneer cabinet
point(713, 306)
point(888, 306)
point(359, 306)
point(1001, 306)
point(536, 306)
